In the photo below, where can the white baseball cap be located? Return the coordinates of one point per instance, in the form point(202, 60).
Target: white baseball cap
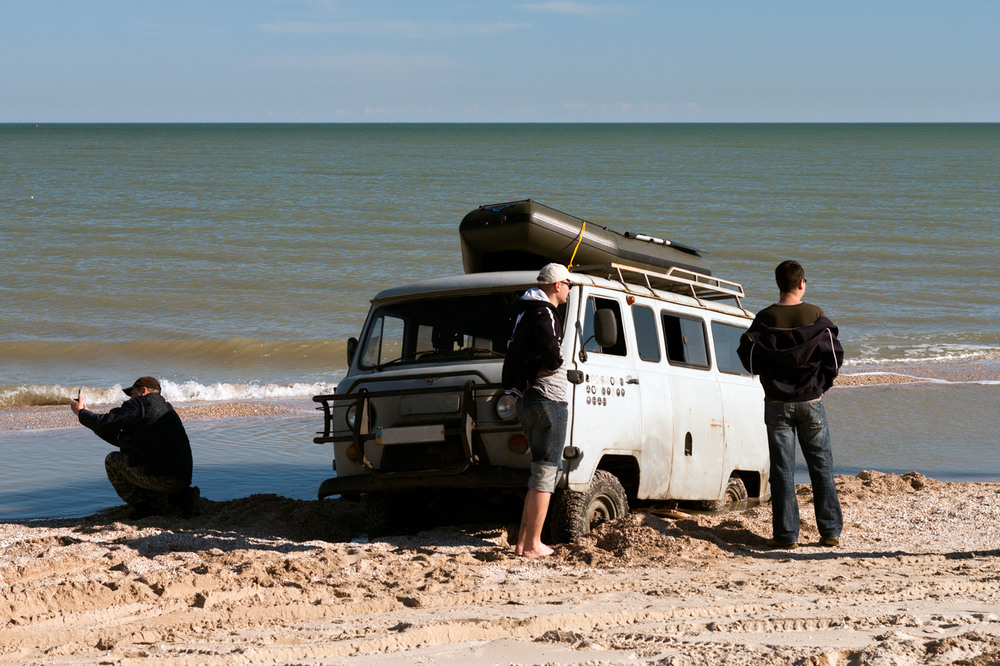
point(552, 273)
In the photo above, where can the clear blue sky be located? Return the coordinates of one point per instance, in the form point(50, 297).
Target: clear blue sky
point(499, 61)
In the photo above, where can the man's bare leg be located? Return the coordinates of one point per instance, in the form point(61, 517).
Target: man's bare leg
point(529, 537)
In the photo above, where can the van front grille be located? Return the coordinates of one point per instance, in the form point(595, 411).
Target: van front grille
point(423, 456)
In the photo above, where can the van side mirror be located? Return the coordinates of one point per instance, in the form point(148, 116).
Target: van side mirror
point(605, 331)
point(606, 328)
point(352, 349)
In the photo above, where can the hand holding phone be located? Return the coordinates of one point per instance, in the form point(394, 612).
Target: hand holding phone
point(77, 405)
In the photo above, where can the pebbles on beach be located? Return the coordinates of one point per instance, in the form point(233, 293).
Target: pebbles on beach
point(60, 416)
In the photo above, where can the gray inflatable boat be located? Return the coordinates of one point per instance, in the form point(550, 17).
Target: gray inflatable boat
point(526, 235)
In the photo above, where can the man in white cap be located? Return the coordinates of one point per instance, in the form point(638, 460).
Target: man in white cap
point(532, 371)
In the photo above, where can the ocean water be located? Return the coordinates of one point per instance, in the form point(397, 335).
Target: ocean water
point(233, 262)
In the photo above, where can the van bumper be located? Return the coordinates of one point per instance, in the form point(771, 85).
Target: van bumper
point(475, 477)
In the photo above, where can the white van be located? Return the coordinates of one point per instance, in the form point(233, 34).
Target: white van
point(660, 406)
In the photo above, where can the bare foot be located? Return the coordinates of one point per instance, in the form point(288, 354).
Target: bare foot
point(540, 551)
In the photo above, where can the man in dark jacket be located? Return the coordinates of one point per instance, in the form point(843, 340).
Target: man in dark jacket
point(154, 461)
point(532, 371)
point(795, 350)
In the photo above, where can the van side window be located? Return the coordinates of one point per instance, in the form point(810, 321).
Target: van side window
point(593, 305)
point(685, 340)
point(726, 339)
point(646, 338)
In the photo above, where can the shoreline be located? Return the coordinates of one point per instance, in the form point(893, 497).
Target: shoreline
point(264, 579)
point(947, 372)
point(60, 416)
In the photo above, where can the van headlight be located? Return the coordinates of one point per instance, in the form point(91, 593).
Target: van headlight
point(352, 414)
point(506, 407)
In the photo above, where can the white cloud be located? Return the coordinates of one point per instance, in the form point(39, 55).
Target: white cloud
point(364, 63)
point(572, 8)
point(408, 29)
point(622, 107)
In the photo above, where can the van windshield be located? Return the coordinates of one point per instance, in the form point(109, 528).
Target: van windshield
point(440, 330)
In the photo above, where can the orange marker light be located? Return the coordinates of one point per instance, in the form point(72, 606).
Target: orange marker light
point(518, 444)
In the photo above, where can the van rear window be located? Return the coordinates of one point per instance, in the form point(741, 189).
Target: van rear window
point(726, 339)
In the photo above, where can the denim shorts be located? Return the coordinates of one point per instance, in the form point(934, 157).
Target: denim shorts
point(544, 423)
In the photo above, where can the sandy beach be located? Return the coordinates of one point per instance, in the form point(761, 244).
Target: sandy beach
point(265, 579)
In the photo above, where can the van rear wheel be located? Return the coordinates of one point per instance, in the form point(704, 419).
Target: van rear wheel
point(736, 493)
point(575, 514)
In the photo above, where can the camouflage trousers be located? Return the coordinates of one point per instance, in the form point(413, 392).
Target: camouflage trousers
point(133, 485)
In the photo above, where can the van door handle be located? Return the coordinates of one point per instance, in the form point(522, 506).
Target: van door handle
point(631, 380)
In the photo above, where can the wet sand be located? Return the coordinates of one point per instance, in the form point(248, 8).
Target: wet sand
point(265, 579)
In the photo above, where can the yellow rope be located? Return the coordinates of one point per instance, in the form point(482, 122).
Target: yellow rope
point(578, 241)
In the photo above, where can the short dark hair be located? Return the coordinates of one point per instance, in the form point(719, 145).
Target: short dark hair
point(788, 274)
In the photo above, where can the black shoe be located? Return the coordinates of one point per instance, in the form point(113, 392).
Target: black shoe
point(186, 501)
point(142, 510)
point(780, 543)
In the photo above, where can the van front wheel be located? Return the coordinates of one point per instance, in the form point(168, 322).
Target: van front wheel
point(575, 514)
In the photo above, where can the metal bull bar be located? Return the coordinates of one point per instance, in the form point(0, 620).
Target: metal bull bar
point(363, 432)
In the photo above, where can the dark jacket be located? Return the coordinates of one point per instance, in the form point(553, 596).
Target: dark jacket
point(534, 346)
point(794, 364)
point(148, 429)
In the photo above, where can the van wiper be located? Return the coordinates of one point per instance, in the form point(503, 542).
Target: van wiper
point(395, 361)
point(468, 352)
point(489, 353)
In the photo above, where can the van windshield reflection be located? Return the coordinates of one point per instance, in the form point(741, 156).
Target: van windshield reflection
point(440, 330)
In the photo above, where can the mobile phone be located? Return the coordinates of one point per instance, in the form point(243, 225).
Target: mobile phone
point(79, 391)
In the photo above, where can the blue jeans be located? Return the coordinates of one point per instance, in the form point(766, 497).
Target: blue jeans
point(807, 421)
point(544, 423)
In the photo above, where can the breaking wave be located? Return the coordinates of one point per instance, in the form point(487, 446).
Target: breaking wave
point(182, 392)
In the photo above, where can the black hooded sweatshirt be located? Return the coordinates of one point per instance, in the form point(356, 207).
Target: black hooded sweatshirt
point(794, 364)
point(147, 429)
point(534, 346)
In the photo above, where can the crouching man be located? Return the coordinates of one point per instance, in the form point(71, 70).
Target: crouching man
point(153, 464)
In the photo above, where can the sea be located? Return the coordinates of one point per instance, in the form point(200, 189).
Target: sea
point(233, 261)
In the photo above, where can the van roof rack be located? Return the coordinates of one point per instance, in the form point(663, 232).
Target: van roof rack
point(676, 279)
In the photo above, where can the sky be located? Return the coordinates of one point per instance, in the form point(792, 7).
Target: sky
point(499, 61)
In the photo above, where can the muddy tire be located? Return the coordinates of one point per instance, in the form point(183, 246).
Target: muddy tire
point(736, 493)
point(575, 514)
point(385, 514)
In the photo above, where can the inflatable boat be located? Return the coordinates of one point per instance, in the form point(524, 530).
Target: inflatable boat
point(526, 235)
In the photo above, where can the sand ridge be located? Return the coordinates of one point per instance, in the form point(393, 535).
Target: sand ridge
point(265, 579)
